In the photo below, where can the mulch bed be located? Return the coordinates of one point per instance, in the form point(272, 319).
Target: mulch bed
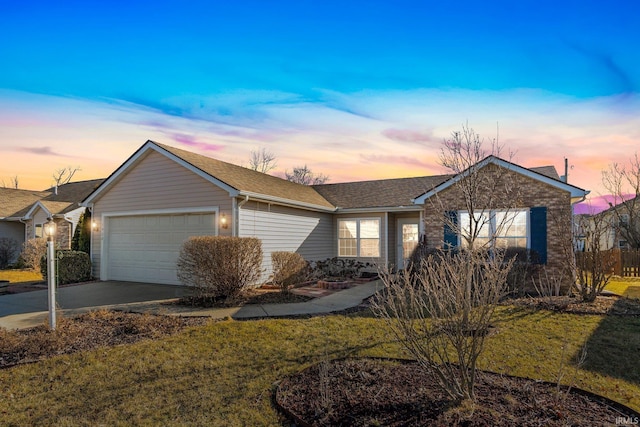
point(250, 296)
point(367, 392)
point(86, 332)
point(609, 305)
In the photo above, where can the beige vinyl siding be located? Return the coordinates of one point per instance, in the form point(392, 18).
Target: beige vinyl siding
point(384, 245)
point(288, 229)
point(13, 230)
point(74, 217)
point(156, 183)
point(39, 217)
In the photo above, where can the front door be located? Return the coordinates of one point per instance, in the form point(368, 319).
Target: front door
point(408, 235)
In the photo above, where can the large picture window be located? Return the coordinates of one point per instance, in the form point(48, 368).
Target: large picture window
point(505, 229)
point(359, 237)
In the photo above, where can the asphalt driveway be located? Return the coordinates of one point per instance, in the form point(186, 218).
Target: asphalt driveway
point(87, 296)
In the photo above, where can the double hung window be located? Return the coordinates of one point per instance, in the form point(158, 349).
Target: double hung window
point(499, 228)
point(359, 237)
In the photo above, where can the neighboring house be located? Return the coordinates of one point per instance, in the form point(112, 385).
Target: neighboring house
point(162, 195)
point(23, 213)
point(617, 227)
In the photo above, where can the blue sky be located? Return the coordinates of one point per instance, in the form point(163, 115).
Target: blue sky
point(356, 90)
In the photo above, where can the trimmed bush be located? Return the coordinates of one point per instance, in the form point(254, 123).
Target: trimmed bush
point(72, 267)
point(81, 240)
point(289, 268)
point(220, 267)
point(8, 250)
point(33, 250)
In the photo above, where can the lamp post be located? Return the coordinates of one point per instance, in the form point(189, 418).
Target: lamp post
point(50, 231)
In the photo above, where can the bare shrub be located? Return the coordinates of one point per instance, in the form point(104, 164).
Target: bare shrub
point(8, 250)
point(525, 269)
point(594, 267)
point(218, 266)
point(289, 268)
point(442, 314)
point(33, 250)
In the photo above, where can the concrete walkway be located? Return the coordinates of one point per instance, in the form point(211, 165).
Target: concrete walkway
point(29, 309)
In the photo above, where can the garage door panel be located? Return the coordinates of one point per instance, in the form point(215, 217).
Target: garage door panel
point(146, 248)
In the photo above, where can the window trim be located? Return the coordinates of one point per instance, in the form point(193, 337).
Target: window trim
point(358, 238)
point(492, 224)
point(35, 230)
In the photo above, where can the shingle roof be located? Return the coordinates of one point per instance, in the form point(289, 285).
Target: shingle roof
point(548, 171)
point(386, 193)
point(72, 193)
point(15, 203)
point(248, 180)
point(378, 193)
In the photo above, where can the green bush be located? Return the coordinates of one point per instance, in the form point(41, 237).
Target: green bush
point(220, 267)
point(72, 267)
point(81, 240)
point(289, 268)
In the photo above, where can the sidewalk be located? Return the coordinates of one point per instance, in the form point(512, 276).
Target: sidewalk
point(337, 301)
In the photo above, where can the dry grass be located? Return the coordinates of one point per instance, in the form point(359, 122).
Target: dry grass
point(625, 287)
point(222, 374)
point(20, 276)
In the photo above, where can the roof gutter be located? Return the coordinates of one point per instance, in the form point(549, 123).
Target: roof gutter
point(414, 208)
point(286, 202)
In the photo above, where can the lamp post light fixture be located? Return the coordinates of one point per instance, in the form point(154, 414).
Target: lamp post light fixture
point(50, 232)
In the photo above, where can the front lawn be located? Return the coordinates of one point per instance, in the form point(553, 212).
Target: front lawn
point(626, 287)
point(223, 374)
point(20, 276)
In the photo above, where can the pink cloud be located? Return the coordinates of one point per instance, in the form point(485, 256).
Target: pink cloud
point(191, 141)
point(395, 160)
point(404, 135)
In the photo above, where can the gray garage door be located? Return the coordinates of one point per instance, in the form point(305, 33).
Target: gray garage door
point(145, 248)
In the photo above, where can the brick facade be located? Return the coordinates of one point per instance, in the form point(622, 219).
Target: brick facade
point(499, 188)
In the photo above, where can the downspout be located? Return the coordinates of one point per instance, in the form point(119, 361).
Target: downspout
point(90, 208)
point(386, 240)
point(236, 214)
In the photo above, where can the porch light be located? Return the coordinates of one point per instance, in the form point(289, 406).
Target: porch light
point(223, 221)
point(94, 225)
point(50, 232)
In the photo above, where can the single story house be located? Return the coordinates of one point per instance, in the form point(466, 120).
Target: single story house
point(23, 213)
point(161, 195)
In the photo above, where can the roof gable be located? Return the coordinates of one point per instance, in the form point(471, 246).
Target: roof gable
point(543, 175)
point(234, 179)
point(15, 203)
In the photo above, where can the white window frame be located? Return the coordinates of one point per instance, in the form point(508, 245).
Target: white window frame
point(358, 237)
point(37, 227)
point(493, 226)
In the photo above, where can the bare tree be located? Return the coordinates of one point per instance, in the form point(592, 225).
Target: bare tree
point(64, 175)
point(478, 192)
point(446, 302)
point(262, 160)
point(622, 181)
point(304, 175)
point(13, 183)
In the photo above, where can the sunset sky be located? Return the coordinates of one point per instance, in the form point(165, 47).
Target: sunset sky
point(354, 89)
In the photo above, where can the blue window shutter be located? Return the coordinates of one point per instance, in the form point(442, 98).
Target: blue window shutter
point(450, 235)
point(538, 218)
